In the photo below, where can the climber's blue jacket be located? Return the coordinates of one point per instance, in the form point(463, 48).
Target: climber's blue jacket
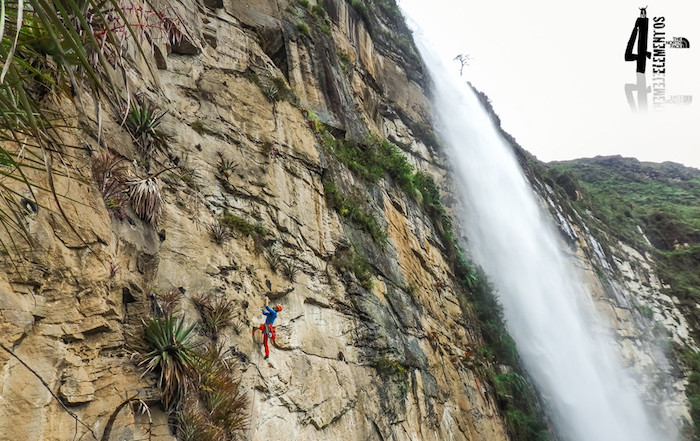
point(271, 315)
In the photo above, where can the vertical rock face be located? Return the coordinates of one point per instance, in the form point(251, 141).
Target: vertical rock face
point(394, 361)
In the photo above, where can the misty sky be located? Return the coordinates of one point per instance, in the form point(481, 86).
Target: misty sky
point(556, 74)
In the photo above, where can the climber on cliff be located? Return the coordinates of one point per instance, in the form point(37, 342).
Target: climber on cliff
point(267, 328)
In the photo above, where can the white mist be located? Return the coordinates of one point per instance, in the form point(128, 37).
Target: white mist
point(546, 306)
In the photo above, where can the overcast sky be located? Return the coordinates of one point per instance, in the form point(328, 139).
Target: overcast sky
point(556, 74)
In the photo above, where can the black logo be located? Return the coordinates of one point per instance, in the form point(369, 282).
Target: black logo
point(639, 33)
point(658, 56)
point(678, 43)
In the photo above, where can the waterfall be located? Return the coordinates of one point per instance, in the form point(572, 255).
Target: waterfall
point(547, 308)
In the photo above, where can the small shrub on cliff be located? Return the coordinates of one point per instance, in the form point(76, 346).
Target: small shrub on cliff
point(168, 301)
point(345, 60)
point(315, 124)
point(349, 208)
point(216, 314)
point(303, 30)
point(354, 261)
point(273, 259)
point(215, 405)
point(239, 224)
point(271, 92)
point(199, 127)
point(225, 166)
point(218, 404)
point(220, 233)
point(391, 369)
point(289, 270)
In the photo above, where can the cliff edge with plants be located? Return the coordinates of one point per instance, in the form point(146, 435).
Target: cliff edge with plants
point(208, 154)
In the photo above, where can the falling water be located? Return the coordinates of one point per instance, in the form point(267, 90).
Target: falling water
point(546, 306)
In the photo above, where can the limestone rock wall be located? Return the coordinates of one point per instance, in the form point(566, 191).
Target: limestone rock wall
point(71, 308)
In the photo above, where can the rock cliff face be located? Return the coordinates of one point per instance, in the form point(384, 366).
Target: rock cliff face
point(254, 90)
point(246, 91)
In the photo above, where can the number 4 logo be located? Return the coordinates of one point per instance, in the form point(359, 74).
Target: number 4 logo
point(639, 33)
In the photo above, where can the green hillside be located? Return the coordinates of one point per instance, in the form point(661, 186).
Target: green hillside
point(620, 194)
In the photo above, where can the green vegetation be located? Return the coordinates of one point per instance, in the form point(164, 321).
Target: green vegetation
point(490, 314)
point(371, 159)
point(168, 301)
point(237, 223)
point(216, 313)
point(360, 7)
point(142, 121)
point(303, 30)
point(51, 50)
point(374, 159)
point(349, 208)
point(392, 370)
point(681, 268)
point(315, 124)
point(318, 11)
point(663, 199)
point(220, 233)
point(691, 360)
point(616, 195)
point(397, 35)
point(109, 171)
point(170, 351)
point(290, 270)
point(197, 382)
point(274, 88)
point(216, 405)
point(199, 127)
point(273, 259)
point(345, 61)
point(225, 166)
point(517, 398)
point(354, 261)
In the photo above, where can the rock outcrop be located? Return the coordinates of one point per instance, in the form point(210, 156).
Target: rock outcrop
point(245, 90)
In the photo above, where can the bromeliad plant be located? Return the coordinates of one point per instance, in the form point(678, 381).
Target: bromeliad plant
point(142, 121)
point(216, 404)
point(109, 171)
point(216, 313)
point(170, 346)
point(51, 50)
point(146, 198)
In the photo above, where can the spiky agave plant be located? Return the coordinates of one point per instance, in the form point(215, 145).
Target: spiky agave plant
point(290, 270)
point(219, 233)
point(143, 120)
point(170, 346)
